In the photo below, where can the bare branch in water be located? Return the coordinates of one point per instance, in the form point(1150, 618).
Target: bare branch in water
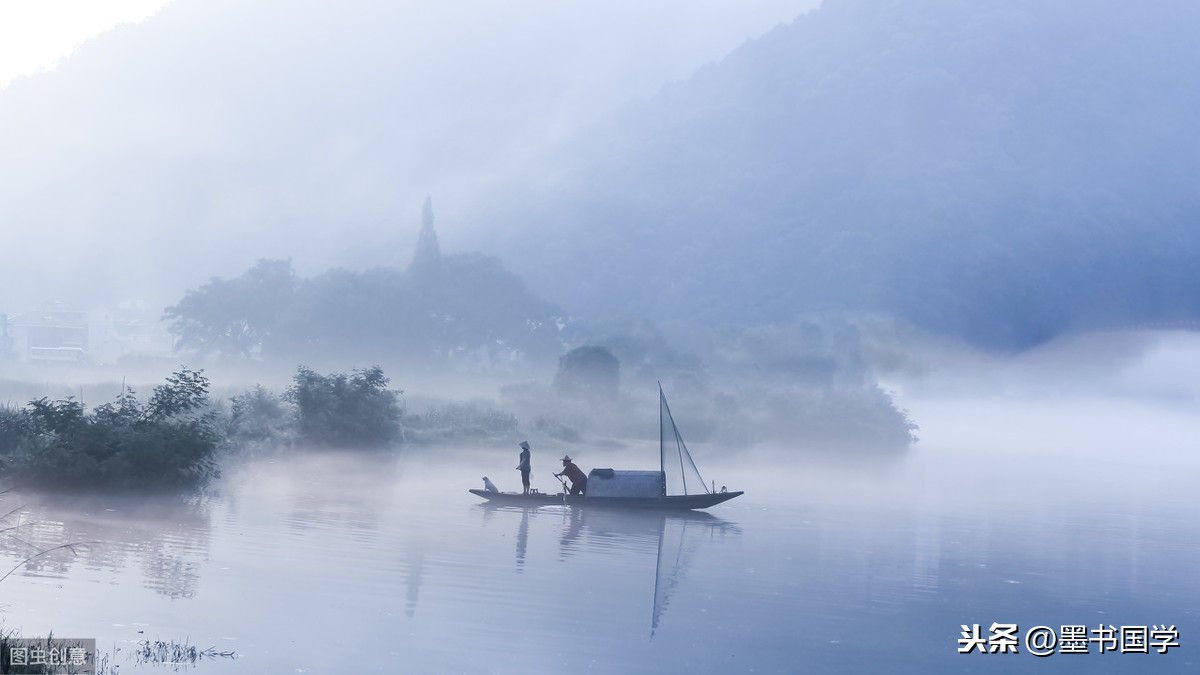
point(35, 556)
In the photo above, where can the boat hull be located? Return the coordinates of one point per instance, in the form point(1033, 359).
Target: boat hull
point(701, 501)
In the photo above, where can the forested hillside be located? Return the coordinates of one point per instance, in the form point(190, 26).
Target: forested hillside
point(999, 172)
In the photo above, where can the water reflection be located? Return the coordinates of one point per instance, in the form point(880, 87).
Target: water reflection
point(522, 539)
point(340, 494)
point(817, 560)
point(568, 544)
point(165, 537)
point(415, 564)
point(674, 538)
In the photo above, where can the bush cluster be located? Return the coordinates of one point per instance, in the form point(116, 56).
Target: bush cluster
point(169, 441)
point(456, 420)
point(345, 411)
point(172, 439)
point(257, 417)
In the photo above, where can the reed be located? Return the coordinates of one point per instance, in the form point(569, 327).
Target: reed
point(175, 653)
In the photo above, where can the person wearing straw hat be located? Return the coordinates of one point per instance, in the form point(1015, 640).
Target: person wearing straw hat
point(578, 479)
point(523, 465)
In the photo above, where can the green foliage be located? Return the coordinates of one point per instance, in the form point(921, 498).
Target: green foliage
point(855, 419)
point(571, 419)
point(15, 430)
point(259, 416)
point(170, 442)
point(340, 411)
point(375, 312)
point(455, 419)
point(464, 311)
point(185, 392)
point(235, 317)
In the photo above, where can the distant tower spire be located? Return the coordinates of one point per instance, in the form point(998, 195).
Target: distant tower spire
point(428, 256)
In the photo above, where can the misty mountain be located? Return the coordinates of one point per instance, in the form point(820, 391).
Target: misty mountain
point(216, 133)
point(1000, 172)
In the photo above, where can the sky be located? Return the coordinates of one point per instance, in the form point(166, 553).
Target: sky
point(216, 121)
point(36, 34)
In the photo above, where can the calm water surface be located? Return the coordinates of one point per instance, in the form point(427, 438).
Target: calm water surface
point(1048, 513)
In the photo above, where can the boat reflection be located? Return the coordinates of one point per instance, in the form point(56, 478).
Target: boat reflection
point(522, 539)
point(413, 577)
point(679, 536)
point(674, 537)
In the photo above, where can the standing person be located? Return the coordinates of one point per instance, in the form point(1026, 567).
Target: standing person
point(523, 465)
point(578, 480)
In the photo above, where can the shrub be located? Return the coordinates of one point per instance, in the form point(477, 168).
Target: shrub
point(452, 419)
point(169, 442)
point(259, 416)
point(340, 411)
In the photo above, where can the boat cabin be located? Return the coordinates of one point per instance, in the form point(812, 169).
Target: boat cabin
point(612, 483)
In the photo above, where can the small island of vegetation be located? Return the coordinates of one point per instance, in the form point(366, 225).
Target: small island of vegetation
point(173, 439)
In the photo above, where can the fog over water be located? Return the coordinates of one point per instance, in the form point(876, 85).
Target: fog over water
point(1050, 508)
point(919, 278)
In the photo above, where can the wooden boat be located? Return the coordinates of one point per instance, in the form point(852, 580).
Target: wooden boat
point(696, 501)
point(660, 489)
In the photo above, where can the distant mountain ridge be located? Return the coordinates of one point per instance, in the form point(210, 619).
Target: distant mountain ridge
point(999, 172)
point(219, 132)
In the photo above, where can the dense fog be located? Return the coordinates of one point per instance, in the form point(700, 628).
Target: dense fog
point(770, 208)
point(1003, 175)
point(281, 281)
point(193, 143)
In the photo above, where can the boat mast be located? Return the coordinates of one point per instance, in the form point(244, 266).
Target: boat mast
point(664, 416)
point(662, 446)
point(678, 445)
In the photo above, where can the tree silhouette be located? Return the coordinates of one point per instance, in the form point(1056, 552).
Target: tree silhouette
point(235, 317)
point(589, 372)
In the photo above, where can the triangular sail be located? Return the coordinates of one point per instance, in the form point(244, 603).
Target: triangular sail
point(683, 478)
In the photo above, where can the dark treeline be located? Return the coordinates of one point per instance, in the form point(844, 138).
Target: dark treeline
point(805, 380)
point(440, 311)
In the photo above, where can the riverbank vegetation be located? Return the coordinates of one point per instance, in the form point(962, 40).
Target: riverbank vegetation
point(177, 437)
point(173, 438)
point(167, 441)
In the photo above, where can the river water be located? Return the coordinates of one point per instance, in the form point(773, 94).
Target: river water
point(1051, 512)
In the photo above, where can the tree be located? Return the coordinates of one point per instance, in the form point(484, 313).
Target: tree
point(235, 317)
point(462, 309)
point(340, 411)
point(184, 393)
point(590, 372)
